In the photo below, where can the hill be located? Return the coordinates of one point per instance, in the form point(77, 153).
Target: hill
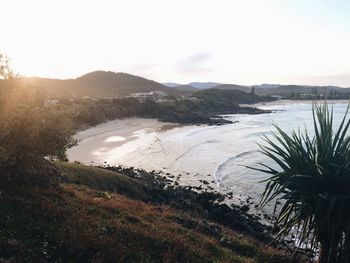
point(291, 91)
point(98, 84)
point(171, 84)
point(188, 88)
point(87, 218)
point(234, 87)
point(195, 85)
point(288, 90)
point(285, 91)
point(215, 97)
point(204, 85)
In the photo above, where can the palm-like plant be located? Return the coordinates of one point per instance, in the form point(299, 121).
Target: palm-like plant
point(313, 180)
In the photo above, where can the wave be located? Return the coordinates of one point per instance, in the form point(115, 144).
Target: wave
point(190, 149)
point(218, 175)
point(202, 130)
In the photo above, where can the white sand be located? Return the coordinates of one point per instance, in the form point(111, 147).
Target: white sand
point(98, 144)
point(147, 144)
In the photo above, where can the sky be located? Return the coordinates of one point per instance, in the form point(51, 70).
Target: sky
point(230, 41)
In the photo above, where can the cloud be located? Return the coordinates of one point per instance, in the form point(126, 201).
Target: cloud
point(143, 67)
point(197, 64)
point(199, 58)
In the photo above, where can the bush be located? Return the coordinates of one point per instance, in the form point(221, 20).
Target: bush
point(31, 132)
point(313, 181)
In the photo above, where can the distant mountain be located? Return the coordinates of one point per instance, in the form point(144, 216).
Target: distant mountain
point(221, 97)
point(171, 84)
point(267, 85)
point(99, 84)
point(287, 90)
point(204, 85)
point(234, 87)
point(184, 88)
point(196, 85)
point(111, 84)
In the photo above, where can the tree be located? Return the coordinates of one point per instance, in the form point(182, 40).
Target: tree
point(252, 91)
point(313, 181)
point(31, 133)
point(292, 94)
point(5, 69)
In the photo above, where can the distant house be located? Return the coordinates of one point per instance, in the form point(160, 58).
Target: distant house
point(156, 95)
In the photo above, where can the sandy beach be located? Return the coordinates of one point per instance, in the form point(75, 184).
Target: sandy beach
point(143, 143)
point(97, 144)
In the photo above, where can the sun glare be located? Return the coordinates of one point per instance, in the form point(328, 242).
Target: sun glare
point(243, 42)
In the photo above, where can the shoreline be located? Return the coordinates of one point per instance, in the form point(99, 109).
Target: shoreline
point(112, 134)
point(214, 202)
point(138, 134)
point(289, 101)
point(97, 147)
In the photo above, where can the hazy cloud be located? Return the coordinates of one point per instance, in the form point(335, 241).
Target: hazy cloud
point(143, 67)
point(196, 64)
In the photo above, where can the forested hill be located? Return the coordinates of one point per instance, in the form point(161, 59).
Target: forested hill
point(291, 91)
point(98, 84)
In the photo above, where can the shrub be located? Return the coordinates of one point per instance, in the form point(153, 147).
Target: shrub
point(313, 179)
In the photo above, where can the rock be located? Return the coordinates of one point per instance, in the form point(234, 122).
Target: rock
point(244, 208)
point(204, 203)
point(13, 242)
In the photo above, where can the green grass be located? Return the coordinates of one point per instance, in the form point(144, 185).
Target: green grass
point(102, 180)
point(85, 220)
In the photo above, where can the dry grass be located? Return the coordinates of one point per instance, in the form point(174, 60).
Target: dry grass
point(77, 223)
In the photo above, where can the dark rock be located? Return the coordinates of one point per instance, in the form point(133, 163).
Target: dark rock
point(203, 203)
point(244, 208)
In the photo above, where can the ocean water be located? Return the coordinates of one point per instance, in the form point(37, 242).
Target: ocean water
point(217, 153)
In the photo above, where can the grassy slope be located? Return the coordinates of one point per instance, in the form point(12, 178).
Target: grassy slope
point(83, 220)
point(102, 180)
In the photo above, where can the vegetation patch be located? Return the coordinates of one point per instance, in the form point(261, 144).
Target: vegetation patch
point(58, 224)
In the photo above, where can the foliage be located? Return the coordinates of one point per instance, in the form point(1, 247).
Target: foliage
point(30, 131)
point(313, 179)
point(230, 97)
point(201, 109)
point(5, 68)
